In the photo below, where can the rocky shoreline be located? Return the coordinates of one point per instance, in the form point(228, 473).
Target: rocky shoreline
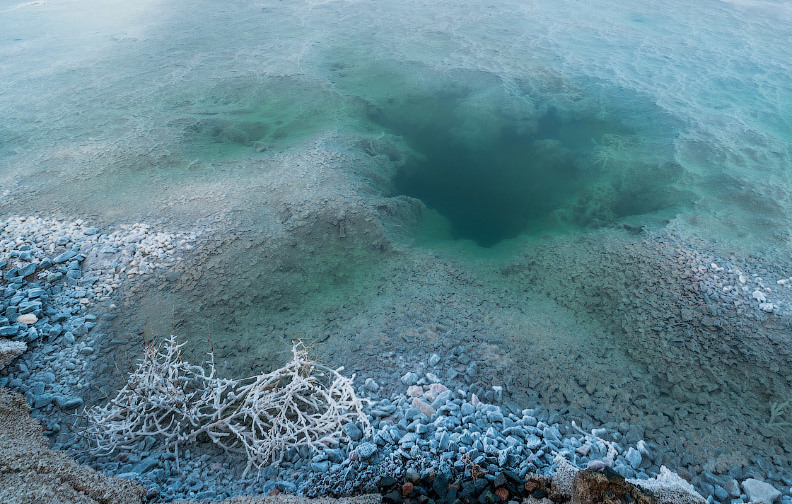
point(59, 279)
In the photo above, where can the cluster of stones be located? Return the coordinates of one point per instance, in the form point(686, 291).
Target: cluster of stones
point(431, 488)
point(57, 279)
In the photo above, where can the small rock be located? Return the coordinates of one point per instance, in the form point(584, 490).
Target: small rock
point(371, 385)
point(435, 389)
point(759, 491)
point(64, 257)
point(366, 450)
point(424, 408)
point(68, 403)
point(353, 431)
point(434, 360)
point(633, 457)
point(595, 465)
point(36, 293)
point(28, 318)
point(415, 391)
point(767, 307)
point(409, 379)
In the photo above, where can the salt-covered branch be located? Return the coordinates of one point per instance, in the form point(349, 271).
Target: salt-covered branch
point(301, 404)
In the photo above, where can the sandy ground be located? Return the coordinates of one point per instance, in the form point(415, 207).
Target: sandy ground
point(31, 473)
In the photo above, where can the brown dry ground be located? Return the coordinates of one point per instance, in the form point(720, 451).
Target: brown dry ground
point(31, 473)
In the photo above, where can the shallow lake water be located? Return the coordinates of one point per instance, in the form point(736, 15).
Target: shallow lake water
point(541, 182)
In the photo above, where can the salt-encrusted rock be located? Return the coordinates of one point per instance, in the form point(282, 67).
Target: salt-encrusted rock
point(669, 488)
point(415, 391)
point(353, 431)
point(424, 408)
point(10, 350)
point(366, 450)
point(371, 385)
point(759, 491)
point(563, 480)
point(767, 307)
point(759, 296)
point(28, 318)
point(435, 389)
point(633, 456)
point(409, 378)
point(595, 465)
point(606, 488)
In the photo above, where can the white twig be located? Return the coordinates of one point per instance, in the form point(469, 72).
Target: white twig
point(301, 404)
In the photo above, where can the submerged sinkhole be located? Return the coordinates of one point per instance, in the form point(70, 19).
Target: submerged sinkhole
point(495, 174)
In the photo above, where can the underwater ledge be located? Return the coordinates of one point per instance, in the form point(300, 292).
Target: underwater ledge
point(418, 418)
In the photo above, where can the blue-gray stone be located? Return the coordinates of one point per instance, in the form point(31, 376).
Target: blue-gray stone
point(46, 263)
point(26, 255)
point(633, 457)
point(371, 385)
point(35, 293)
point(441, 399)
point(55, 330)
point(59, 317)
point(434, 360)
point(48, 377)
point(422, 429)
point(54, 277)
point(68, 403)
point(320, 467)
point(29, 306)
point(532, 442)
point(551, 433)
point(9, 331)
point(353, 431)
point(408, 438)
point(445, 440)
point(74, 274)
point(61, 258)
point(366, 450)
point(721, 494)
point(29, 269)
point(42, 401)
point(495, 416)
point(411, 413)
point(145, 465)
point(335, 455)
point(472, 369)
point(63, 240)
point(90, 231)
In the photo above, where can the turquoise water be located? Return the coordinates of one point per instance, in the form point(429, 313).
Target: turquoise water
point(371, 170)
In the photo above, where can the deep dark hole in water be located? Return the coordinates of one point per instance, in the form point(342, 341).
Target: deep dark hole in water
point(495, 174)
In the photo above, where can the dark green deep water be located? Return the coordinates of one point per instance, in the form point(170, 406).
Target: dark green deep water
point(517, 175)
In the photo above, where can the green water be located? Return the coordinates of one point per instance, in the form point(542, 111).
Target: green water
point(369, 171)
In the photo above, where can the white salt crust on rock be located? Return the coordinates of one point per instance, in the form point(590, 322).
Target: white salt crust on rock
point(10, 350)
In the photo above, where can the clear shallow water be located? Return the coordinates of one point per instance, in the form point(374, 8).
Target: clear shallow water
point(540, 138)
